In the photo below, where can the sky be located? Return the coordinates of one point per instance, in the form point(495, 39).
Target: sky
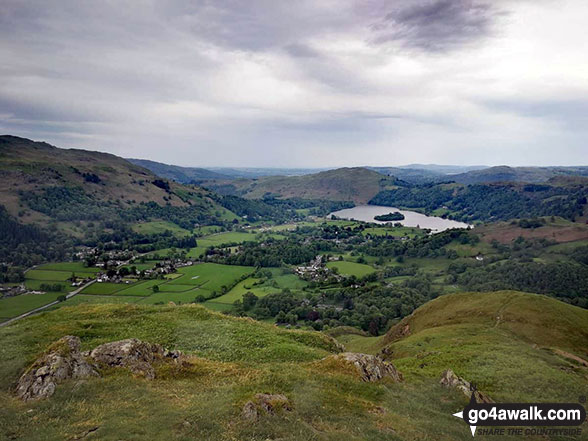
point(300, 83)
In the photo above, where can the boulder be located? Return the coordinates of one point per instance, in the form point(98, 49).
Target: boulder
point(133, 354)
point(450, 380)
point(267, 404)
point(370, 367)
point(62, 361)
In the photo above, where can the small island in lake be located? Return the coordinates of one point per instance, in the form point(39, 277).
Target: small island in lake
point(396, 216)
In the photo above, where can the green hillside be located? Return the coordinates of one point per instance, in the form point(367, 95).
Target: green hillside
point(513, 345)
point(232, 359)
point(344, 184)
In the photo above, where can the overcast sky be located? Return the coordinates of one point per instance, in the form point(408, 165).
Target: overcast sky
point(300, 83)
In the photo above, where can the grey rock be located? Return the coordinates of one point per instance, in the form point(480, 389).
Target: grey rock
point(370, 367)
point(265, 404)
point(62, 361)
point(450, 380)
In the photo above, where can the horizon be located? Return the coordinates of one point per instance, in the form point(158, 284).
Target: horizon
point(305, 85)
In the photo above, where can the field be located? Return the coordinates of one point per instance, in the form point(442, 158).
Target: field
point(211, 276)
point(76, 267)
point(13, 306)
point(219, 239)
point(351, 268)
point(158, 227)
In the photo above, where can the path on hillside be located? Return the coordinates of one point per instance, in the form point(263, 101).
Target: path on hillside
point(48, 305)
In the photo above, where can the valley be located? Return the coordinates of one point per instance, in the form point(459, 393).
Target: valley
point(265, 283)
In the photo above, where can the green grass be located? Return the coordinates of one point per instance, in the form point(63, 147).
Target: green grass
point(176, 297)
point(219, 239)
point(158, 227)
point(14, 306)
point(104, 288)
point(69, 266)
point(502, 341)
point(35, 285)
point(59, 276)
point(241, 288)
point(237, 358)
point(351, 268)
point(211, 276)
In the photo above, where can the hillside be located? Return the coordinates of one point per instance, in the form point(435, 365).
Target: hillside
point(32, 173)
point(488, 337)
point(230, 360)
point(504, 173)
point(344, 184)
point(184, 175)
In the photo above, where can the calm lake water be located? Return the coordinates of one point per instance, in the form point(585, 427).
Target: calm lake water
point(366, 213)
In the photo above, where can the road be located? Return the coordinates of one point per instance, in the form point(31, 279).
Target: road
point(48, 305)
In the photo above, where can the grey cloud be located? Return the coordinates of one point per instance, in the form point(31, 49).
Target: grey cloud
point(437, 25)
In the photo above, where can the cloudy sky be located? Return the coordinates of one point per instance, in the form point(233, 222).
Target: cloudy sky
point(300, 83)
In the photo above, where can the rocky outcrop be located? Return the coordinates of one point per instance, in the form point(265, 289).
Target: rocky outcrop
point(450, 380)
point(370, 367)
point(62, 361)
point(268, 404)
point(133, 354)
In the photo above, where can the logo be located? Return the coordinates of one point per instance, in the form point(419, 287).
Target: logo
point(515, 415)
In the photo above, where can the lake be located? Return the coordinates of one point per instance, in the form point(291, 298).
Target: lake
point(366, 213)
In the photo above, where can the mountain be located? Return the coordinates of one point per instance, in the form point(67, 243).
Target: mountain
point(503, 173)
point(184, 175)
point(412, 175)
point(515, 347)
point(259, 172)
point(444, 169)
point(39, 182)
point(52, 201)
point(344, 184)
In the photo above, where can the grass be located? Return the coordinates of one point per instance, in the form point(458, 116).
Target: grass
point(502, 341)
point(158, 227)
point(219, 239)
point(58, 276)
point(211, 276)
point(237, 358)
point(69, 266)
point(104, 288)
point(351, 268)
point(14, 306)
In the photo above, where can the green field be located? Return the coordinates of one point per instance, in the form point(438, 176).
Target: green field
point(219, 239)
point(158, 227)
point(104, 288)
point(14, 306)
point(176, 297)
point(211, 276)
point(241, 288)
point(351, 268)
point(69, 266)
point(58, 276)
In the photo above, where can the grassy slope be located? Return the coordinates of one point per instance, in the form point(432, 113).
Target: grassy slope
point(241, 357)
point(506, 342)
point(32, 166)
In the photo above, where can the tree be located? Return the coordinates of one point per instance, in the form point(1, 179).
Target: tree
point(249, 300)
point(155, 288)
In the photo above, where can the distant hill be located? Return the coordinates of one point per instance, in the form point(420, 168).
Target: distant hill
point(504, 173)
point(444, 169)
point(34, 175)
point(344, 184)
point(412, 175)
point(259, 172)
point(184, 175)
